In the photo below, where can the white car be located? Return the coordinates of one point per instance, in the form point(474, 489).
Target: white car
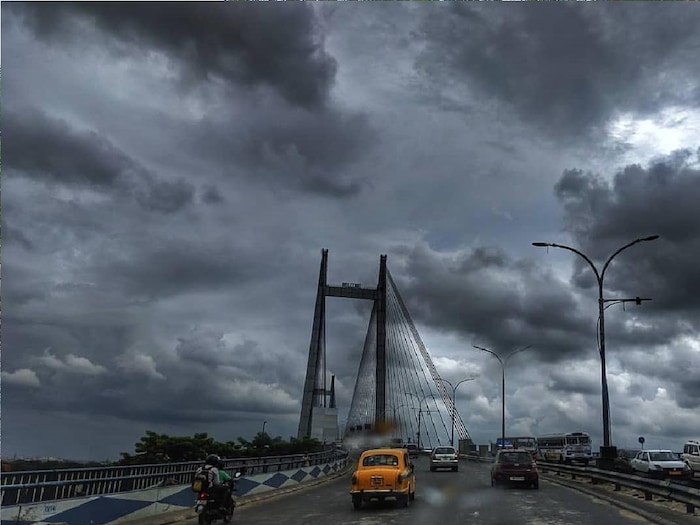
point(660, 464)
point(691, 454)
point(444, 457)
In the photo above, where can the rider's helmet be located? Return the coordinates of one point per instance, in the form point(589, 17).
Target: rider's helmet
point(214, 461)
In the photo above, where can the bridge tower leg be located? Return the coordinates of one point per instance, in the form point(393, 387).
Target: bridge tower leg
point(315, 392)
point(316, 365)
point(380, 303)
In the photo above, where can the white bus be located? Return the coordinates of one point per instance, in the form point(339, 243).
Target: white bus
point(565, 448)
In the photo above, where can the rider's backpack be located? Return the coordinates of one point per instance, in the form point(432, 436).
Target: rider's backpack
point(200, 481)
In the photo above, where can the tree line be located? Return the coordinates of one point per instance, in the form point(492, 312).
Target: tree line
point(162, 448)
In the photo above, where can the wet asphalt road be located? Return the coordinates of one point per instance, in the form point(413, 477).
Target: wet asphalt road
point(442, 498)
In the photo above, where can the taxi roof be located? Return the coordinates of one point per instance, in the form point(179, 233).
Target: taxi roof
point(385, 450)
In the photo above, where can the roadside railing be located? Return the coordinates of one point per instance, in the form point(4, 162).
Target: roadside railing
point(650, 487)
point(36, 486)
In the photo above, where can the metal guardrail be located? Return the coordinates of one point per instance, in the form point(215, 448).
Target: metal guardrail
point(36, 486)
point(650, 487)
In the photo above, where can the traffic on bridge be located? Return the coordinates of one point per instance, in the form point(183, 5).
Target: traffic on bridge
point(464, 496)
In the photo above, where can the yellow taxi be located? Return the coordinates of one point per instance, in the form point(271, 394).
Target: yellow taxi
point(383, 473)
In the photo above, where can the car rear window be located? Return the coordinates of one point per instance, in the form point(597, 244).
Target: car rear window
point(444, 450)
point(380, 459)
point(515, 457)
point(662, 456)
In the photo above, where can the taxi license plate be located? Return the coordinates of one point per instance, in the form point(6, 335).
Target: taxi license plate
point(517, 478)
point(675, 473)
point(377, 481)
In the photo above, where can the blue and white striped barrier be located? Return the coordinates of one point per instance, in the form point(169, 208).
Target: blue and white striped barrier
point(113, 509)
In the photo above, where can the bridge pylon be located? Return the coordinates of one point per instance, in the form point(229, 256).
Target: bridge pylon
point(316, 396)
point(396, 375)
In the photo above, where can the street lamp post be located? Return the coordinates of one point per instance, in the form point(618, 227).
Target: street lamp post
point(601, 318)
point(454, 407)
point(420, 409)
point(503, 384)
point(396, 420)
point(262, 436)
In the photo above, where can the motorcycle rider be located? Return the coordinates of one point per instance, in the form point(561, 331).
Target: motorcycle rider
point(220, 483)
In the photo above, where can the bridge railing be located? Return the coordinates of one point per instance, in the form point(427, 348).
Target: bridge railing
point(36, 486)
point(650, 487)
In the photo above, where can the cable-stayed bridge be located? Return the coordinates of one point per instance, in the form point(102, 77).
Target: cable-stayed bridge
point(398, 393)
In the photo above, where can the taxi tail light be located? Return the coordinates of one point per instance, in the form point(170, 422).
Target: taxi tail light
point(354, 479)
point(202, 495)
point(399, 478)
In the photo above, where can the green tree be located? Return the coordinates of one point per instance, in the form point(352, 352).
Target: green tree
point(157, 448)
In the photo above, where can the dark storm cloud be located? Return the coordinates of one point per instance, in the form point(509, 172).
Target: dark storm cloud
point(50, 150)
point(211, 195)
point(291, 148)
point(564, 69)
point(660, 198)
point(170, 267)
point(247, 359)
point(563, 381)
point(677, 369)
point(203, 380)
point(495, 300)
point(276, 46)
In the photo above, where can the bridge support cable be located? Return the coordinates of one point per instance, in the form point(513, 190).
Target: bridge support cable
point(401, 381)
point(410, 350)
point(419, 367)
point(395, 385)
point(459, 424)
point(362, 407)
point(414, 386)
point(402, 366)
point(412, 370)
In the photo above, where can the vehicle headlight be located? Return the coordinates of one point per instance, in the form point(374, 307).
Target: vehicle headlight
point(655, 467)
point(686, 466)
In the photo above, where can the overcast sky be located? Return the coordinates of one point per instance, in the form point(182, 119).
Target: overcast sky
point(172, 172)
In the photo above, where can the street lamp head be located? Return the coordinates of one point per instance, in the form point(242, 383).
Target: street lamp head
point(541, 244)
point(651, 238)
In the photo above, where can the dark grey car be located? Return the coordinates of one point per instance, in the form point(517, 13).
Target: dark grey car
point(622, 461)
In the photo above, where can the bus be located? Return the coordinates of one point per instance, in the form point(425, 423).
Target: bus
point(528, 443)
point(565, 447)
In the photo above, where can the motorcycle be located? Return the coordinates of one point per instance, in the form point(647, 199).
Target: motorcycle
point(211, 505)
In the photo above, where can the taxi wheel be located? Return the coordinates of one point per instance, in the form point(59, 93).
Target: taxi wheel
point(357, 502)
point(403, 500)
point(412, 495)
